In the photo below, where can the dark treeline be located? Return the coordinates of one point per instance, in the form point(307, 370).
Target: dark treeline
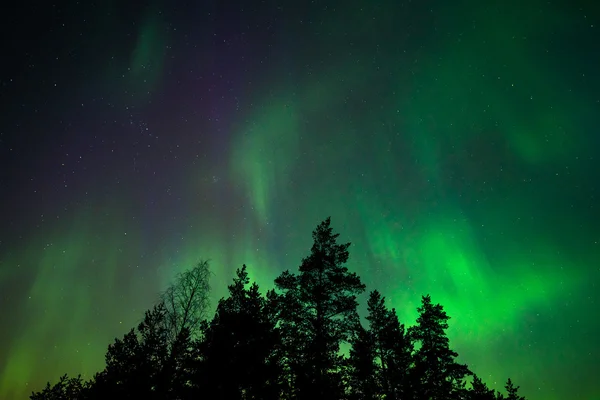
point(283, 344)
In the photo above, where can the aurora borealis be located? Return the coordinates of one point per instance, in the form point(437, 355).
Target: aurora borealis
point(455, 144)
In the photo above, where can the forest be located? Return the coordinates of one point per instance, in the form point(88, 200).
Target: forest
point(302, 340)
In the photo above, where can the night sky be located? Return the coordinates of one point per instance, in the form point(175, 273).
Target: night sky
point(454, 143)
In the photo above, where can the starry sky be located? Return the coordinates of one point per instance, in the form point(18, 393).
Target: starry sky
point(454, 143)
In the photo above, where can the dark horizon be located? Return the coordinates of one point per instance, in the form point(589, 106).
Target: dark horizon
point(283, 344)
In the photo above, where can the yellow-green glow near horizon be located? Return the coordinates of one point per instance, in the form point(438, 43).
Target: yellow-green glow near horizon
point(453, 144)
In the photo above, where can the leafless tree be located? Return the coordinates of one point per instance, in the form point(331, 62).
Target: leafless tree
point(187, 300)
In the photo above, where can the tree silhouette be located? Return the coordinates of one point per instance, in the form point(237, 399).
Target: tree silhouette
point(186, 301)
point(177, 373)
point(285, 345)
point(392, 347)
point(134, 364)
point(480, 391)
point(363, 381)
point(238, 346)
point(318, 313)
point(65, 388)
point(436, 375)
point(512, 391)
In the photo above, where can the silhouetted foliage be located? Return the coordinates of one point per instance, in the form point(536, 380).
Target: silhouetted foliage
point(436, 374)
point(186, 301)
point(362, 377)
point(65, 388)
point(512, 391)
point(135, 363)
point(318, 313)
point(480, 391)
point(392, 348)
point(239, 346)
point(284, 345)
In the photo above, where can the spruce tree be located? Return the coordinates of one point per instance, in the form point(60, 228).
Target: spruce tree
point(134, 364)
point(392, 347)
point(362, 378)
point(436, 374)
point(480, 391)
point(512, 391)
point(317, 313)
point(239, 344)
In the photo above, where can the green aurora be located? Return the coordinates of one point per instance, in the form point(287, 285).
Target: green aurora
point(459, 164)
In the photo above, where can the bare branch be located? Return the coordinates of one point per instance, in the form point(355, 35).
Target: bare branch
point(187, 300)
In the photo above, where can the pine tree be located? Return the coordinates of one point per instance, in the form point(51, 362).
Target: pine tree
point(363, 383)
point(480, 391)
point(239, 344)
point(392, 347)
point(512, 391)
point(134, 364)
point(317, 313)
point(177, 373)
point(436, 374)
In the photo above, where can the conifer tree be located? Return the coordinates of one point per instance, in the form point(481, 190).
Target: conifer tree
point(362, 378)
point(239, 344)
point(134, 363)
point(177, 373)
point(512, 391)
point(436, 374)
point(392, 347)
point(480, 391)
point(317, 312)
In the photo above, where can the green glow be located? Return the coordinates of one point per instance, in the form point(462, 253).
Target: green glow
point(267, 150)
point(447, 158)
point(408, 237)
point(273, 140)
point(147, 58)
point(74, 307)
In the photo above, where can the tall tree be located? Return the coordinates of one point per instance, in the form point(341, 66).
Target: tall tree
point(239, 346)
point(436, 374)
point(177, 373)
point(134, 364)
point(318, 313)
point(392, 347)
point(186, 301)
point(144, 364)
point(362, 377)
